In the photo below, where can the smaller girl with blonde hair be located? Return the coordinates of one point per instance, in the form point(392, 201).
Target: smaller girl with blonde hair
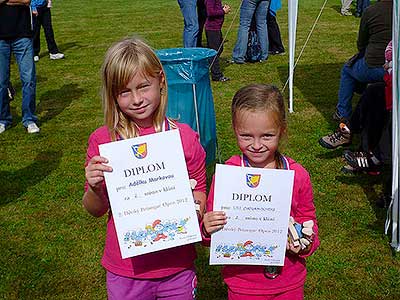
point(134, 92)
point(259, 123)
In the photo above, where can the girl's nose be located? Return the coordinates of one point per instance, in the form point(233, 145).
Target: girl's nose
point(257, 144)
point(136, 98)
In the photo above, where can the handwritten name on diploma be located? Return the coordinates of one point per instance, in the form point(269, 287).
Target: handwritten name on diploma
point(135, 195)
point(165, 204)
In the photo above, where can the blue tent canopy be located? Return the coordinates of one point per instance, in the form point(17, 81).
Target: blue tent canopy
point(190, 98)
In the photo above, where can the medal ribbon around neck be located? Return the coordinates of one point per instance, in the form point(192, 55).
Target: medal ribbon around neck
point(244, 161)
point(166, 125)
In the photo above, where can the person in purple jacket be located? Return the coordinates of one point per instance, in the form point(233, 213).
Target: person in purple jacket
point(215, 18)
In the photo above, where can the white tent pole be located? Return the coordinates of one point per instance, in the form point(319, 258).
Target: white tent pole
point(292, 22)
point(395, 129)
point(302, 48)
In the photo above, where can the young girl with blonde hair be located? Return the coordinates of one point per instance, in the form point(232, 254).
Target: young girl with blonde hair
point(134, 92)
point(259, 123)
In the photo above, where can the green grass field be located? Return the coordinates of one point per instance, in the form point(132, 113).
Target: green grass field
point(51, 247)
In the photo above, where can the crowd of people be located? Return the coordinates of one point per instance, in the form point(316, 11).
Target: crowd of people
point(256, 16)
point(21, 21)
point(368, 73)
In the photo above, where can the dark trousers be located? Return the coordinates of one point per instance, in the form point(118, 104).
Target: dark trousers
point(370, 117)
point(44, 19)
point(274, 35)
point(202, 16)
point(362, 5)
point(214, 41)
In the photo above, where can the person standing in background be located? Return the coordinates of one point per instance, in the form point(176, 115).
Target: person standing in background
point(274, 34)
point(16, 37)
point(215, 19)
point(42, 17)
point(258, 8)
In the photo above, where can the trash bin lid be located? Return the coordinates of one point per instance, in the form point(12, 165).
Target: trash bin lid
point(185, 65)
point(184, 54)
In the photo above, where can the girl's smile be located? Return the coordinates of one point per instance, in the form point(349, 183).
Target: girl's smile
point(257, 136)
point(141, 98)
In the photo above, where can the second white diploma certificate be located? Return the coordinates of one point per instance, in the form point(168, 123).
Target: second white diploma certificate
point(257, 204)
point(150, 195)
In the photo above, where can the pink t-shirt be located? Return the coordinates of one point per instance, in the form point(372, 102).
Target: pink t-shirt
point(250, 280)
point(165, 262)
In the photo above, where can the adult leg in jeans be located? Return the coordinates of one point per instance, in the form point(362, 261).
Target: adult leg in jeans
point(5, 54)
point(261, 25)
point(48, 29)
point(247, 10)
point(362, 5)
point(350, 75)
point(23, 51)
point(191, 25)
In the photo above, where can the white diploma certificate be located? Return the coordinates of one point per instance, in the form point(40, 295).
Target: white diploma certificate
point(257, 204)
point(150, 195)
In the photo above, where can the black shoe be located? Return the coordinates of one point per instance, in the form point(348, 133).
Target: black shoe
point(357, 15)
point(363, 162)
point(221, 79)
point(232, 61)
point(347, 169)
point(276, 52)
point(383, 201)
